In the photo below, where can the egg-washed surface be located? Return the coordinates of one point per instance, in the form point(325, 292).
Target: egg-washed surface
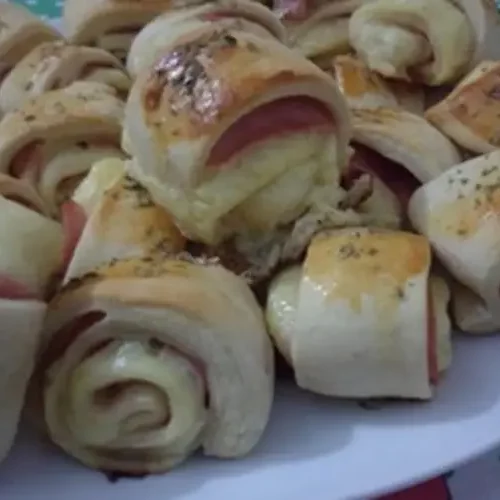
point(480, 479)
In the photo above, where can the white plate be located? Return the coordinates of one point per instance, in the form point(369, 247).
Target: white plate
point(314, 448)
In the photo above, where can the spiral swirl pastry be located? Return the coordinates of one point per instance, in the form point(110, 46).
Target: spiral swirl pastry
point(112, 24)
point(320, 30)
point(31, 253)
point(186, 23)
point(53, 140)
point(429, 41)
point(20, 32)
point(55, 65)
point(146, 360)
point(234, 134)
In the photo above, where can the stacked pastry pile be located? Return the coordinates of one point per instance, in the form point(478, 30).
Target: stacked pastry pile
point(148, 205)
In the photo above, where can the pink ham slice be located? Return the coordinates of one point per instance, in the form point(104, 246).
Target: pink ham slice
point(401, 182)
point(283, 116)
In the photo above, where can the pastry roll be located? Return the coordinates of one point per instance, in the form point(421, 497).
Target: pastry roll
point(53, 140)
point(365, 89)
point(31, 252)
point(20, 32)
point(55, 65)
point(166, 30)
point(459, 215)
point(146, 360)
point(470, 313)
point(234, 133)
point(470, 114)
point(120, 222)
point(401, 149)
point(109, 24)
point(429, 41)
point(320, 30)
point(362, 317)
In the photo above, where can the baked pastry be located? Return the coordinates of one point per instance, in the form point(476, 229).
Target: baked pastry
point(53, 140)
point(121, 221)
point(458, 212)
point(402, 149)
point(112, 24)
point(470, 113)
point(55, 65)
point(365, 89)
point(318, 29)
point(363, 317)
point(182, 24)
point(31, 252)
point(429, 41)
point(20, 32)
point(148, 360)
point(236, 136)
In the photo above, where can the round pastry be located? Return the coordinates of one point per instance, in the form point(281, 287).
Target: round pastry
point(121, 222)
point(147, 360)
point(183, 24)
point(470, 114)
point(429, 41)
point(20, 32)
point(53, 140)
point(365, 89)
point(236, 134)
point(55, 65)
point(459, 213)
point(112, 24)
point(363, 317)
point(318, 29)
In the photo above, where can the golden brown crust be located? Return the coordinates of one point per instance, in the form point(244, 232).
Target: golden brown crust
point(204, 82)
point(472, 109)
point(142, 222)
point(348, 264)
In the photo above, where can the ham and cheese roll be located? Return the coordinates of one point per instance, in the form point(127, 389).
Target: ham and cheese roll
point(167, 29)
point(20, 32)
point(429, 41)
point(120, 221)
point(365, 89)
point(363, 317)
point(318, 29)
point(470, 114)
point(147, 360)
point(55, 65)
point(31, 252)
point(459, 213)
point(109, 24)
point(234, 133)
point(400, 148)
point(53, 140)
